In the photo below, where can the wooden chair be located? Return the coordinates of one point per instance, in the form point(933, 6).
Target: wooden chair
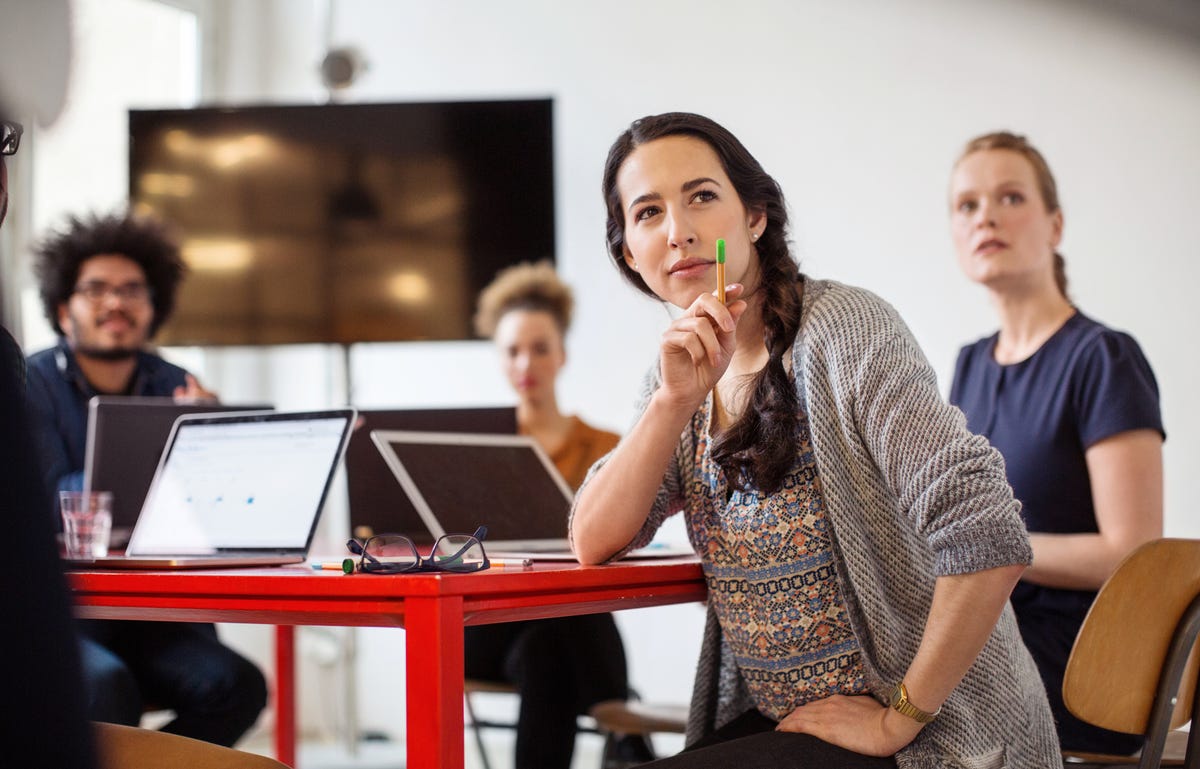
point(1133, 668)
point(617, 717)
point(128, 747)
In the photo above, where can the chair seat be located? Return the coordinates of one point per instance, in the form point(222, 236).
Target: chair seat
point(635, 717)
point(471, 685)
point(1173, 754)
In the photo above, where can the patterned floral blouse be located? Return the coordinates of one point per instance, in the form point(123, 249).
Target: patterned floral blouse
point(770, 573)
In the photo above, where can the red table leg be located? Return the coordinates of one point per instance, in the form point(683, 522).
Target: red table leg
point(285, 694)
point(434, 647)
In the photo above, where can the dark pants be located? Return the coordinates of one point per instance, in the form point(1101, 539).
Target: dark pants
point(751, 742)
point(561, 667)
point(216, 693)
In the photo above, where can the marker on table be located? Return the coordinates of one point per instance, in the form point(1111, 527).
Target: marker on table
point(345, 566)
point(511, 563)
point(721, 270)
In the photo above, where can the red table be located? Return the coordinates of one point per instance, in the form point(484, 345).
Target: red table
point(433, 609)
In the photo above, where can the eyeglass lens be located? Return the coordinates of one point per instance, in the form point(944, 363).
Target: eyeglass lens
point(395, 551)
point(10, 137)
point(96, 291)
point(458, 552)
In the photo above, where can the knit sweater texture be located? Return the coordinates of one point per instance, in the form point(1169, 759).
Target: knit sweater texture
point(911, 495)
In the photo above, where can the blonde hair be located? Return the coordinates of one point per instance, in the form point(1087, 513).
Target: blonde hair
point(524, 286)
point(1005, 140)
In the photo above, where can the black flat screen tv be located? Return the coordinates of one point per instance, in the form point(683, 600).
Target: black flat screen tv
point(344, 223)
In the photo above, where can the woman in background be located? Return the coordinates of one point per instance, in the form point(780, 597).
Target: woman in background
point(563, 666)
point(859, 544)
point(1071, 404)
point(526, 312)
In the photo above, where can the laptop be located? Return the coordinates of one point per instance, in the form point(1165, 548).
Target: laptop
point(125, 439)
point(459, 481)
point(376, 503)
point(243, 489)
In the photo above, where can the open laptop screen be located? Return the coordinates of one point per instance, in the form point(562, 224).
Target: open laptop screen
point(458, 482)
point(376, 501)
point(240, 483)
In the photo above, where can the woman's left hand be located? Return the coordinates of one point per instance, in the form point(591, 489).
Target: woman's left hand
point(859, 724)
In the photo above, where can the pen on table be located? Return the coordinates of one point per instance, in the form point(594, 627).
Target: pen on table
point(721, 270)
point(511, 563)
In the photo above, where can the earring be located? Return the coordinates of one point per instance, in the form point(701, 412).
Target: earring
point(753, 236)
point(635, 264)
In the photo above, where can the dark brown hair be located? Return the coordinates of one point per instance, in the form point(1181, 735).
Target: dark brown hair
point(760, 446)
point(1004, 140)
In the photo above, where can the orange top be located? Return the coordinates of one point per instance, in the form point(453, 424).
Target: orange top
point(580, 451)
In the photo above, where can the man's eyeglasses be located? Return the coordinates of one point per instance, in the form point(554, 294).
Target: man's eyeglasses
point(396, 554)
point(96, 291)
point(10, 137)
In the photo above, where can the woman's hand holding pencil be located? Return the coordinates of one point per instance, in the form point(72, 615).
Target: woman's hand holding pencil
point(697, 346)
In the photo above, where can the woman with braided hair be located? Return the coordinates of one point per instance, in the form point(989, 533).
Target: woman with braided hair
point(858, 542)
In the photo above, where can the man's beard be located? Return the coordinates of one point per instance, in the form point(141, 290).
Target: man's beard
point(84, 347)
point(106, 353)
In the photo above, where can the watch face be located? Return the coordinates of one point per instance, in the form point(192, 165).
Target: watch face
point(901, 705)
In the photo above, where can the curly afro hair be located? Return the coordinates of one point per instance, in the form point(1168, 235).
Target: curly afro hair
point(143, 239)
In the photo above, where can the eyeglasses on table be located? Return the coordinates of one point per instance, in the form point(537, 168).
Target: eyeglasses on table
point(397, 554)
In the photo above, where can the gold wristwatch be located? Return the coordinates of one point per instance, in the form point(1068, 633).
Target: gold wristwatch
point(902, 706)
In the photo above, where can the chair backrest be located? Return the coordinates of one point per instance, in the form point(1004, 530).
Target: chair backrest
point(1114, 668)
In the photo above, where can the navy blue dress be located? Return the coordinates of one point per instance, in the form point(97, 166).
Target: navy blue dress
point(1085, 384)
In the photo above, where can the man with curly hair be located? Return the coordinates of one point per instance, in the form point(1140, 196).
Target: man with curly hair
point(107, 283)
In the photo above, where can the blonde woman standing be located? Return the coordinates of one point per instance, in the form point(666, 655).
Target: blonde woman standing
point(1071, 404)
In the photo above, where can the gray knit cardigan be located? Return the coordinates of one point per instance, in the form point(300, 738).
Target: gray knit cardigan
point(911, 495)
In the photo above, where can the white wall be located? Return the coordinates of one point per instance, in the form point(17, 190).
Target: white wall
point(858, 108)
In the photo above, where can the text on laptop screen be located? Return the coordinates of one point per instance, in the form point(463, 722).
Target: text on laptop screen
point(502, 487)
point(239, 485)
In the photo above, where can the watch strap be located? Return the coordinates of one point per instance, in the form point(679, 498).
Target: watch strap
point(900, 703)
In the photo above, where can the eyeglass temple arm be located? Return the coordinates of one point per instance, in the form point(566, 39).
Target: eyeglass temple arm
point(357, 548)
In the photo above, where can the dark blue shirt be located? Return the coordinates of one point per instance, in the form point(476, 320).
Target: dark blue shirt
point(1085, 384)
point(58, 400)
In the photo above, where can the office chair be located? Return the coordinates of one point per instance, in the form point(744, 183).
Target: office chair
point(613, 719)
point(633, 717)
point(474, 686)
point(1133, 668)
